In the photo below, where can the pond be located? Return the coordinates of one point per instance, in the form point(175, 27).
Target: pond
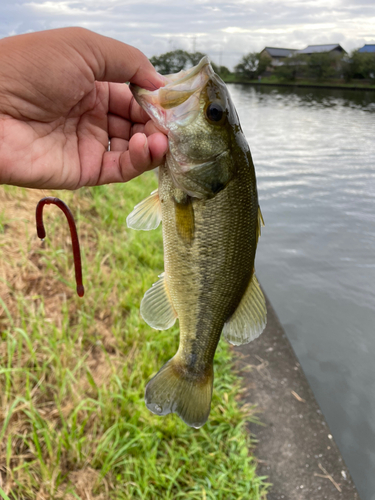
point(314, 154)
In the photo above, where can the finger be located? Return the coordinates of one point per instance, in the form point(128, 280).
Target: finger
point(119, 167)
point(123, 111)
point(119, 62)
point(118, 127)
point(119, 144)
point(137, 128)
point(158, 146)
point(150, 128)
point(144, 153)
point(122, 103)
point(139, 152)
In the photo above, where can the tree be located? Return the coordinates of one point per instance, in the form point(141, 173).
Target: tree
point(322, 65)
point(175, 61)
point(293, 67)
point(251, 66)
point(367, 65)
point(222, 71)
point(195, 57)
point(171, 62)
point(263, 63)
point(359, 65)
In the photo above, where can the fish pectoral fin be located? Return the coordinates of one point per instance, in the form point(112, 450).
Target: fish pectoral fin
point(147, 214)
point(176, 390)
point(250, 317)
point(156, 306)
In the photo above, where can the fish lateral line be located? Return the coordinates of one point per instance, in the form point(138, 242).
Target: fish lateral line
point(50, 200)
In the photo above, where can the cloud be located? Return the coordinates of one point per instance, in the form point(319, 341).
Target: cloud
point(233, 30)
point(223, 29)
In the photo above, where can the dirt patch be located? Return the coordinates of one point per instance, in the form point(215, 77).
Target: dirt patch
point(85, 482)
point(21, 268)
point(32, 282)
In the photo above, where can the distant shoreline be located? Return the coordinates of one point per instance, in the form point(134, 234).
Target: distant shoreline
point(324, 85)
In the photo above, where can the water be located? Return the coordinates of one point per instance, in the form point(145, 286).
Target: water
point(314, 153)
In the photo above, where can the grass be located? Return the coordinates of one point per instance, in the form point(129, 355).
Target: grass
point(73, 423)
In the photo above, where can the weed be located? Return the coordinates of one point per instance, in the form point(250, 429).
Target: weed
point(73, 423)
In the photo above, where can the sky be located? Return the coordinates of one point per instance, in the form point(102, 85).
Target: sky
point(222, 29)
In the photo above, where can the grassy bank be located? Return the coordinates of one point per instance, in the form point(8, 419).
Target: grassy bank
point(73, 423)
point(273, 80)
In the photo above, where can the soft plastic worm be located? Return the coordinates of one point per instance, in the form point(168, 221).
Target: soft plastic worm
point(73, 232)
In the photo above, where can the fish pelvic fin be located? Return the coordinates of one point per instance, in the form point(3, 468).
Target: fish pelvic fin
point(156, 306)
point(175, 389)
point(250, 317)
point(147, 214)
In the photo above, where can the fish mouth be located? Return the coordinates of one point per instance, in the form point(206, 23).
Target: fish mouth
point(179, 100)
point(187, 74)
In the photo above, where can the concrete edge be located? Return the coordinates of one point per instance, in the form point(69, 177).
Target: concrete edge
point(295, 448)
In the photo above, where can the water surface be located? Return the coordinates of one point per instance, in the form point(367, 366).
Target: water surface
point(314, 153)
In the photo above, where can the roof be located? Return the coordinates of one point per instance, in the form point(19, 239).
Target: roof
point(312, 49)
point(367, 48)
point(275, 52)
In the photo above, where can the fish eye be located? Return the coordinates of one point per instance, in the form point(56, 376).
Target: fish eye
point(214, 112)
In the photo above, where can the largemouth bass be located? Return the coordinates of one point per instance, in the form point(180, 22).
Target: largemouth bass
point(207, 201)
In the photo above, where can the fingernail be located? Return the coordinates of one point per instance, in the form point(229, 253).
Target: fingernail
point(162, 79)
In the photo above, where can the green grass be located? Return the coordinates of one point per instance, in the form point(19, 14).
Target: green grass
point(73, 423)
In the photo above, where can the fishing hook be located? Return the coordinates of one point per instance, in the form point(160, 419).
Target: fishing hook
point(49, 200)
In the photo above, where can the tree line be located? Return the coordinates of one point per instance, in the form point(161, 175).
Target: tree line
point(327, 66)
point(319, 66)
point(177, 60)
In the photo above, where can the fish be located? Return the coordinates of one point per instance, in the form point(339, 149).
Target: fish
point(207, 202)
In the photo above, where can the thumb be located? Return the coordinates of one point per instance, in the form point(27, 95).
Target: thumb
point(116, 61)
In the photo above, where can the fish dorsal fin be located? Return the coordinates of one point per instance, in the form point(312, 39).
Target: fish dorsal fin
point(156, 306)
point(249, 319)
point(147, 214)
point(260, 223)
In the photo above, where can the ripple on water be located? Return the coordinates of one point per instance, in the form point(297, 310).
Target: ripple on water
point(314, 153)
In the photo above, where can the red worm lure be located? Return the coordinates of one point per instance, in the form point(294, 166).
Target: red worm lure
point(73, 232)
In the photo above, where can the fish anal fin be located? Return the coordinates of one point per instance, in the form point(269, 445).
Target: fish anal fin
point(147, 214)
point(250, 317)
point(156, 306)
point(175, 389)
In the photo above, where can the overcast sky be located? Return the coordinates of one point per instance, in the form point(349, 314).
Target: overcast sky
point(224, 30)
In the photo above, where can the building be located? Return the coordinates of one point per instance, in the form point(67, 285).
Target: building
point(277, 55)
point(333, 48)
point(367, 48)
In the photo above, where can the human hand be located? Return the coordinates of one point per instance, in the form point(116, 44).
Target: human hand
point(59, 107)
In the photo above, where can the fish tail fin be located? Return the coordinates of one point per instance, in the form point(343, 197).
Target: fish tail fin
point(175, 389)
